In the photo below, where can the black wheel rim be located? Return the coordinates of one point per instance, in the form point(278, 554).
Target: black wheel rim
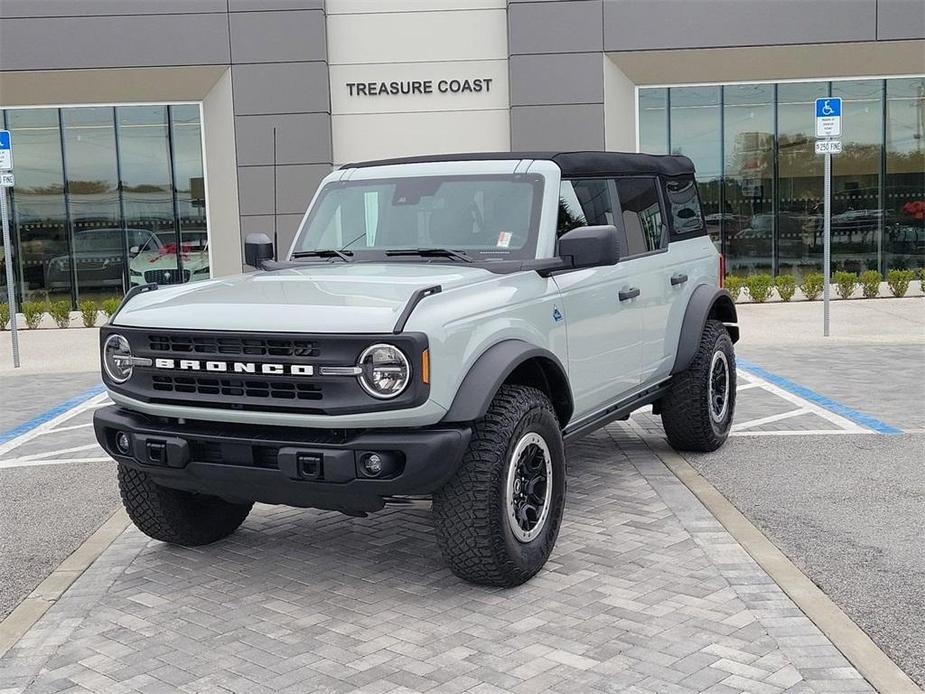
point(529, 487)
point(718, 390)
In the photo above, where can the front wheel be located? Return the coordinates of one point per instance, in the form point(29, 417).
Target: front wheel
point(697, 411)
point(176, 516)
point(498, 518)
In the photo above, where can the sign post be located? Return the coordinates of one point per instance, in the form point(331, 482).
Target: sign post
point(6, 181)
point(828, 130)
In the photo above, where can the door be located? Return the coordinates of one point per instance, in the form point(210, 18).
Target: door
point(646, 230)
point(603, 331)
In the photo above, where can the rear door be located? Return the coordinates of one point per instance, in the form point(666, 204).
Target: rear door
point(603, 332)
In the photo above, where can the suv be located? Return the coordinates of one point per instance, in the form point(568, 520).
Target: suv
point(439, 328)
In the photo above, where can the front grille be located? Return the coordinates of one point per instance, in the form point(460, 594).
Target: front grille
point(167, 276)
point(232, 346)
point(236, 387)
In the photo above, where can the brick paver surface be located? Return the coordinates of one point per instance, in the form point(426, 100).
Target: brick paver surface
point(645, 592)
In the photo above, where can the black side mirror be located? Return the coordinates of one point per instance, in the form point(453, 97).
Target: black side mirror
point(591, 246)
point(257, 248)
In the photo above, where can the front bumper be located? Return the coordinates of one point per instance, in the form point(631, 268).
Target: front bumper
point(310, 468)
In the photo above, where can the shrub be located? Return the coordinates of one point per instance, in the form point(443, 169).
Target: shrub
point(4, 315)
point(60, 311)
point(734, 285)
point(899, 281)
point(786, 286)
point(922, 279)
point(812, 285)
point(870, 283)
point(33, 311)
point(110, 306)
point(845, 283)
point(88, 312)
point(759, 287)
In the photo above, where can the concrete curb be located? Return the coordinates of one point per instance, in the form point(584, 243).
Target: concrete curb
point(881, 672)
point(31, 609)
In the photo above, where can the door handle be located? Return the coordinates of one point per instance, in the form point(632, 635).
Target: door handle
point(627, 294)
point(679, 278)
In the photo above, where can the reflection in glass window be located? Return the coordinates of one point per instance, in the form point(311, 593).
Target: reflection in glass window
point(747, 218)
point(904, 187)
point(39, 216)
point(189, 185)
point(696, 133)
point(584, 202)
point(93, 200)
point(653, 121)
point(856, 208)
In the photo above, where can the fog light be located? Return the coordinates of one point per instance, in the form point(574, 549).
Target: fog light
point(123, 443)
point(372, 465)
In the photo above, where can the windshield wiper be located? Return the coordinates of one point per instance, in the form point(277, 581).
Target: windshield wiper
point(325, 253)
point(432, 253)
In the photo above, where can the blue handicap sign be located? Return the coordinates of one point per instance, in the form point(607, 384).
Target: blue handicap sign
point(5, 139)
point(828, 107)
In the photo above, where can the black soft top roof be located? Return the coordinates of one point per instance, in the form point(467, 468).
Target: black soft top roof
point(571, 163)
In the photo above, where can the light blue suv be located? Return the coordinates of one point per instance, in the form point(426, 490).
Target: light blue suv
point(438, 329)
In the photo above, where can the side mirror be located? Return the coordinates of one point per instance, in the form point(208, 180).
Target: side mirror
point(134, 250)
point(257, 248)
point(591, 246)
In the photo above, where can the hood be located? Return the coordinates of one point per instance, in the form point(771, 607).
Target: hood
point(323, 298)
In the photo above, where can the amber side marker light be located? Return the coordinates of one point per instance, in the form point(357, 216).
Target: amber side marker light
point(425, 366)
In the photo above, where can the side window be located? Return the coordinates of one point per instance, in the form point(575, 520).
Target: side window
point(683, 204)
point(642, 214)
point(584, 201)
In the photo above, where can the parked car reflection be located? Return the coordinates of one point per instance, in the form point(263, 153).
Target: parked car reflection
point(160, 264)
point(98, 258)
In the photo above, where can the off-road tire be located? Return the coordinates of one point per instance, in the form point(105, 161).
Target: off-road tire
point(175, 516)
point(470, 515)
point(686, 408)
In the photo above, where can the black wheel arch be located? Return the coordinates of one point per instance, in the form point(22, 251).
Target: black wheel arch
point(705, 303)
point(512, 362)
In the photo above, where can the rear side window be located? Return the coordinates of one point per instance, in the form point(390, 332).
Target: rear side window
point(683, 205)
point(642, 214)
point(584, 202)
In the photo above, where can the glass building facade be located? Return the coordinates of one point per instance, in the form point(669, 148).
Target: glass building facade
point(106, 198)
point(762, 183)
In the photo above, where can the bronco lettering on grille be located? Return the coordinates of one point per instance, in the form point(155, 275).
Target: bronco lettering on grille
point(238, 367)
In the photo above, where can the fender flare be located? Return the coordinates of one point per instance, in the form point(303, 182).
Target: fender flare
point(492, 369)
point(706, 301)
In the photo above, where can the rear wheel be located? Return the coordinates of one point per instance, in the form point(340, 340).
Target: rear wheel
point(698, 408)
point(498, 518)
point(175, 516)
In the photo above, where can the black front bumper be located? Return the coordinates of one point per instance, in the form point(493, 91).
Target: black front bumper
point(311, 468)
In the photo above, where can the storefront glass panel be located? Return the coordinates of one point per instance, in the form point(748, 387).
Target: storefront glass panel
point(103, 195)
point(767, 216)
point(748, 222)
point(904, 179)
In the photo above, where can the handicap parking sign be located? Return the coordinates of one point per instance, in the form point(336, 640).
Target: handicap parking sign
point(828, 117)
point(6, 150)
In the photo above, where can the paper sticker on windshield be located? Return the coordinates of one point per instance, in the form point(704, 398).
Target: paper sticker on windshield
point(504, 239)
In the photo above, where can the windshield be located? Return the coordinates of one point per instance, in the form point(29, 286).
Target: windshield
point(485, 217)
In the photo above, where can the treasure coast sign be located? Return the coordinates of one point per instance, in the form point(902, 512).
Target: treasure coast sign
point(408, 87)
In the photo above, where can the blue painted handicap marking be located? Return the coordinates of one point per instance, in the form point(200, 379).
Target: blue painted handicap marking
point(4, 139)
point(828, 107)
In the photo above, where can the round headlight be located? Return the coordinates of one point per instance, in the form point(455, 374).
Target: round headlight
point(385, 371)
point(117, 358)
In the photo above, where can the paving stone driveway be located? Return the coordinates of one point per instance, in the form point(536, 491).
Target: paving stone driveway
point(645, 592)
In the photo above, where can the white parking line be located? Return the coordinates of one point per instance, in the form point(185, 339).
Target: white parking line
point(770, 419)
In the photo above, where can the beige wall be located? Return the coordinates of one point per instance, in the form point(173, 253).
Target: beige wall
point(397, 40)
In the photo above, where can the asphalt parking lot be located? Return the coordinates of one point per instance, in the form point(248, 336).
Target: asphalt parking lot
point(646, 591)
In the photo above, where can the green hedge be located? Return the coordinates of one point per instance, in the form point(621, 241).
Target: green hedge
point(845, 283)
point(899, 281)
point(870, 283)
point(786, 286)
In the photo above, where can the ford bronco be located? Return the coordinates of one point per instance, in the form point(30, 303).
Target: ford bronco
point(437, 330)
